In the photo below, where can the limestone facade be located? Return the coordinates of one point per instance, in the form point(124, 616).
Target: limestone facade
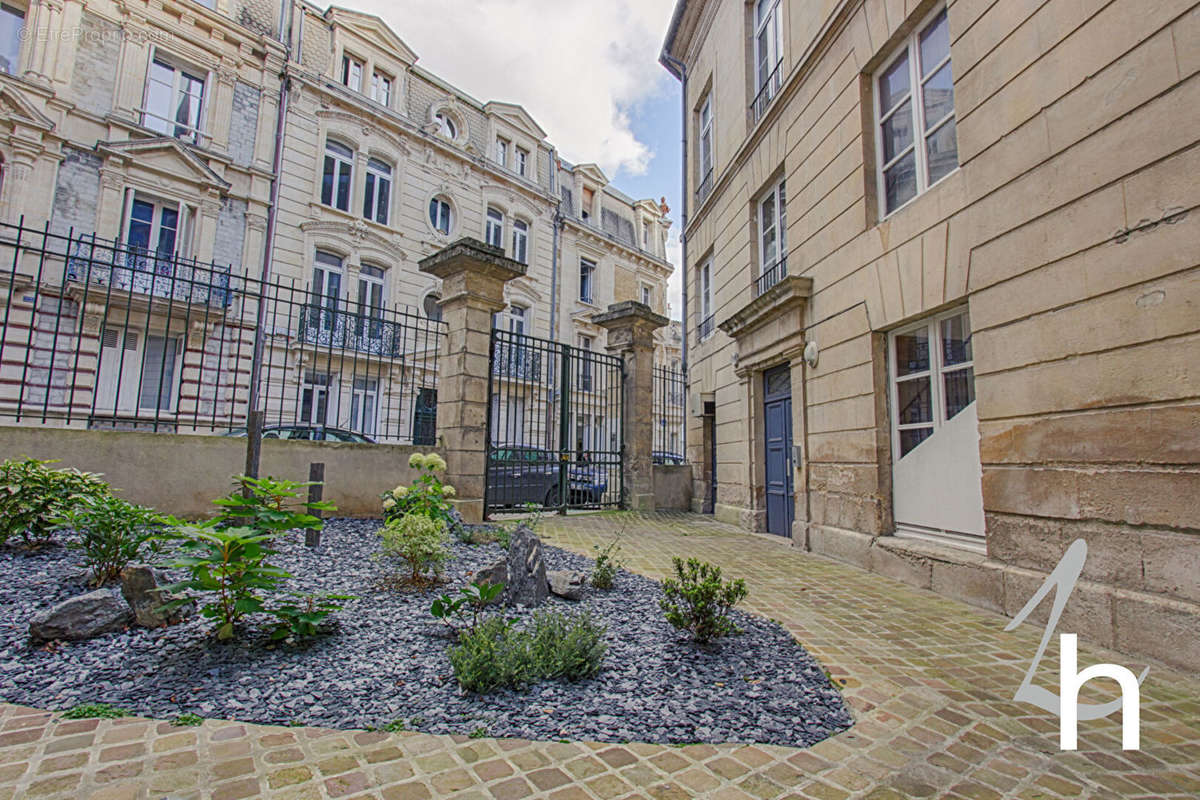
point(999, 310)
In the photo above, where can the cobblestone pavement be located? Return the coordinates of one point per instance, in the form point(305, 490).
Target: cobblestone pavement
point(930, 681)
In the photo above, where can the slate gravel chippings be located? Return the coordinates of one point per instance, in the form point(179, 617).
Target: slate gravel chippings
point(386, 660)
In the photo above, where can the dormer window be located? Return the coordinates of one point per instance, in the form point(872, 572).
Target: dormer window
point(446, 126)
point(352, 72)
point(589, 197)
point(381, 88)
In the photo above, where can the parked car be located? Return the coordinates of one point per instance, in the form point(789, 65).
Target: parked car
point(664, 457)
point(519, 474)
point(307, 433)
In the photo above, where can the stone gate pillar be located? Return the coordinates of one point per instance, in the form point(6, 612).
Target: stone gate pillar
point(473, 276)
point(631, 328)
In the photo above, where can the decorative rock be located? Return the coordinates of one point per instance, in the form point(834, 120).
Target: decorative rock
point(567, 583)
point(140, 589)
point(527, 584)
point(80, 617)
point(496, 573)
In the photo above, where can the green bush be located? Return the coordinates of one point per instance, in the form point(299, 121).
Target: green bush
point(111, 533)
point(497, 654)
point(462, 612)
point(697, 601)
point(33, 496)
point(427, 496)
point(95, 711)
point(420, 541)
point(269, 504)
point(302, 617)
point(187, 720)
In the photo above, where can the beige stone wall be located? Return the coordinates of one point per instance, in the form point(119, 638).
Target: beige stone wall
point(1070, 231)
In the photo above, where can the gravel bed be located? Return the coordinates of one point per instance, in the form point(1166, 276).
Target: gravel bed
point(386, 660)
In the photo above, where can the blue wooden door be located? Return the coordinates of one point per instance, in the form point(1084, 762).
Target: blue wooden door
point(777, 415)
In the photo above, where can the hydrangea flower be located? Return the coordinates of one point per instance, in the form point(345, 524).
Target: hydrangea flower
point(435, 462)
point(449, 491)
point(416, 461)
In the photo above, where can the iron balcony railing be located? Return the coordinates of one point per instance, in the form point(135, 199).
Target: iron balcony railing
point(137, 270)
point(516, 361)
point(366, 333)
point(705, 188)
point(767, 92)
point(770, 276)
point(707, 325)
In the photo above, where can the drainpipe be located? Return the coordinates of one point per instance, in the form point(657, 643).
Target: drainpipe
point(554, 255)
point(679, 70)
point(254, 416)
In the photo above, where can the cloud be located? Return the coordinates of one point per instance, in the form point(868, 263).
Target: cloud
point(579, 68)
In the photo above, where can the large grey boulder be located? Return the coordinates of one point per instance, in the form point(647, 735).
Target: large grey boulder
point(567, 583)
point(81, 617)
point(527, 584)
point(140, 589)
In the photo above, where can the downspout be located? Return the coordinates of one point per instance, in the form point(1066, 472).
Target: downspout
point(254, 416)
point(554, 255)
point(679, 69)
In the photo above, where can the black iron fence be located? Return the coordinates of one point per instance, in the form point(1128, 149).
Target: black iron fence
point(670, 390)
point(554, 433)
point(104, 334)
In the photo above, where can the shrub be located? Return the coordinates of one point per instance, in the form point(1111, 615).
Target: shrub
point(496, 654)
point(187, 720)
point(269, 504)
point(697, 601)
point(33, 497)
point(95, 711)
point(111, 533)
point(420, 541)
point(427, 496)
point(604, 572)
point(302, 617)
point(466, 608)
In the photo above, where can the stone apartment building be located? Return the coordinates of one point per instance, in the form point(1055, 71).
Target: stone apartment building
point(942, 286)
point(155, 124)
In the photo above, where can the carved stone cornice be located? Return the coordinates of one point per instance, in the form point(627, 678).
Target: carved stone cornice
point(792, 291)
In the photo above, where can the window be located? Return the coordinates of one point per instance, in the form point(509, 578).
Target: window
point(768, 54)
point(314, 399)
point(378, 191)
point(646, 236)
point(584, 342)
point(494, 231)
point(352, 72)
point(502, 152)
point(705, 162)
point(174, 99)
point(706, 306)
point(337, 178)
point(432, 306)
point(517, 316)
point(440, 215)
point(158, 374)
point(364, 400)
point(589, 197)
point(381, 89)
point(933, 377)
point(772, 238)
point(446, 126)
point(137, 373)
point(12, 24)
point(326, 289)
point(154, 227)
point(587, 272)
point(370, 302)
point(909, 164)
point(522, 164)
point(520, 239)
point(647, 296)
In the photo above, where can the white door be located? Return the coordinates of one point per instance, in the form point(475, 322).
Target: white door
point(936, 472)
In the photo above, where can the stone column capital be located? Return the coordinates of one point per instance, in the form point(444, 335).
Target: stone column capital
point(472, 273)
point(630, 325)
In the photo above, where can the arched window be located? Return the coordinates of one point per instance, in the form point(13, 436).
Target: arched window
point(441, 215)
point(446, 126)
point(495, 227)
point(326, 290)
point(338, 175)
point(520, 238)
point(432, 306)
point(370, 301)
point(378, 195)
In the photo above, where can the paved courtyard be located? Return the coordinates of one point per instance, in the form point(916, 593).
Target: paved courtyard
point(930, 682)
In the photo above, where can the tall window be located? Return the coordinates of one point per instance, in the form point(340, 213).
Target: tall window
point(494, 232)
point(520, 237)
point(589, 197)
point(314, 399)
point(772, 237)
point(514, 320)
point(768, 54)
point(440, 215)
point(326, 289)
point(174, 99)
point(378, 191)
point(522, 159)
point(364, 400)
point(502, 152)
point(647, 296)
point(705, 164)
point(704, 281)
point(918, 143)
point(158, 373)
point(933, 377)
point(370, 301)
point(587, 277)
point(584, 342)
point(337, 178)
point(381, 88)
point(154, 227)
point(352, 72)
point(12, 23)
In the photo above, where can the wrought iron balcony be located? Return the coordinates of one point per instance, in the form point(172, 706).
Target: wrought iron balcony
point(707, 326)
point(766, 93)
point(705, 188)
point(321, 326)
point(133, 269)
point(772, 275)
point(515, 361)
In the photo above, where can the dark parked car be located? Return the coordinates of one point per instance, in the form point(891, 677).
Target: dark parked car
point(664, 457)
point(518, 474)
point(307, 433)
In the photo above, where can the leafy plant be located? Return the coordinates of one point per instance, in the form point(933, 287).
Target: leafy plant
point(302, 617)
point(427, 496)
point(497, 654)
point(697, 600)
point(33, 496)
point(466, 608)
point(420, 541)
point(270, 504)
point(229, 566)
point(396, 726)
point(480, 732)
point(187, 719)
point(111, 532)
point(95, 711)
point(604, 572)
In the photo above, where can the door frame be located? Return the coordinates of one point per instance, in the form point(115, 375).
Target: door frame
point(786, 399)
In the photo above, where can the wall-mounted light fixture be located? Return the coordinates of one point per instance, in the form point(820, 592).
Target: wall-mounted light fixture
point(811, 352)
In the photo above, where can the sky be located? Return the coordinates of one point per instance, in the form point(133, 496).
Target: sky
point(587, 71)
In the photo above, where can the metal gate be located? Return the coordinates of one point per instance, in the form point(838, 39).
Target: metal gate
point(554, 432)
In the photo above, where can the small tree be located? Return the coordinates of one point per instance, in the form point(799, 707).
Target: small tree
point(697, 601)
point(111, 533)
point(427, 495)
point(420, 541)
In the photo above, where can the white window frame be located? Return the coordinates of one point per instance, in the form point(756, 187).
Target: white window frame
point(364, 405)
point(166, 124)
point(520, 240)
point(493, 227)
point(502, 151)
point(341, 162)
point(774, 55)
point(381, 88)
point(372, 300)
point(647, 295)
point(777, 224)
point(123, 365)
point(182, 244)
point(376, 199)
point(352, 72)
point(920, 134)
point(935, 374)
point(704, 141)
point(521, 162)
point(439, 207)
point(587, 277)
point(705, 281)
point(447, 126)
point(320, 386)
point(17, 36)
point(325, 304)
